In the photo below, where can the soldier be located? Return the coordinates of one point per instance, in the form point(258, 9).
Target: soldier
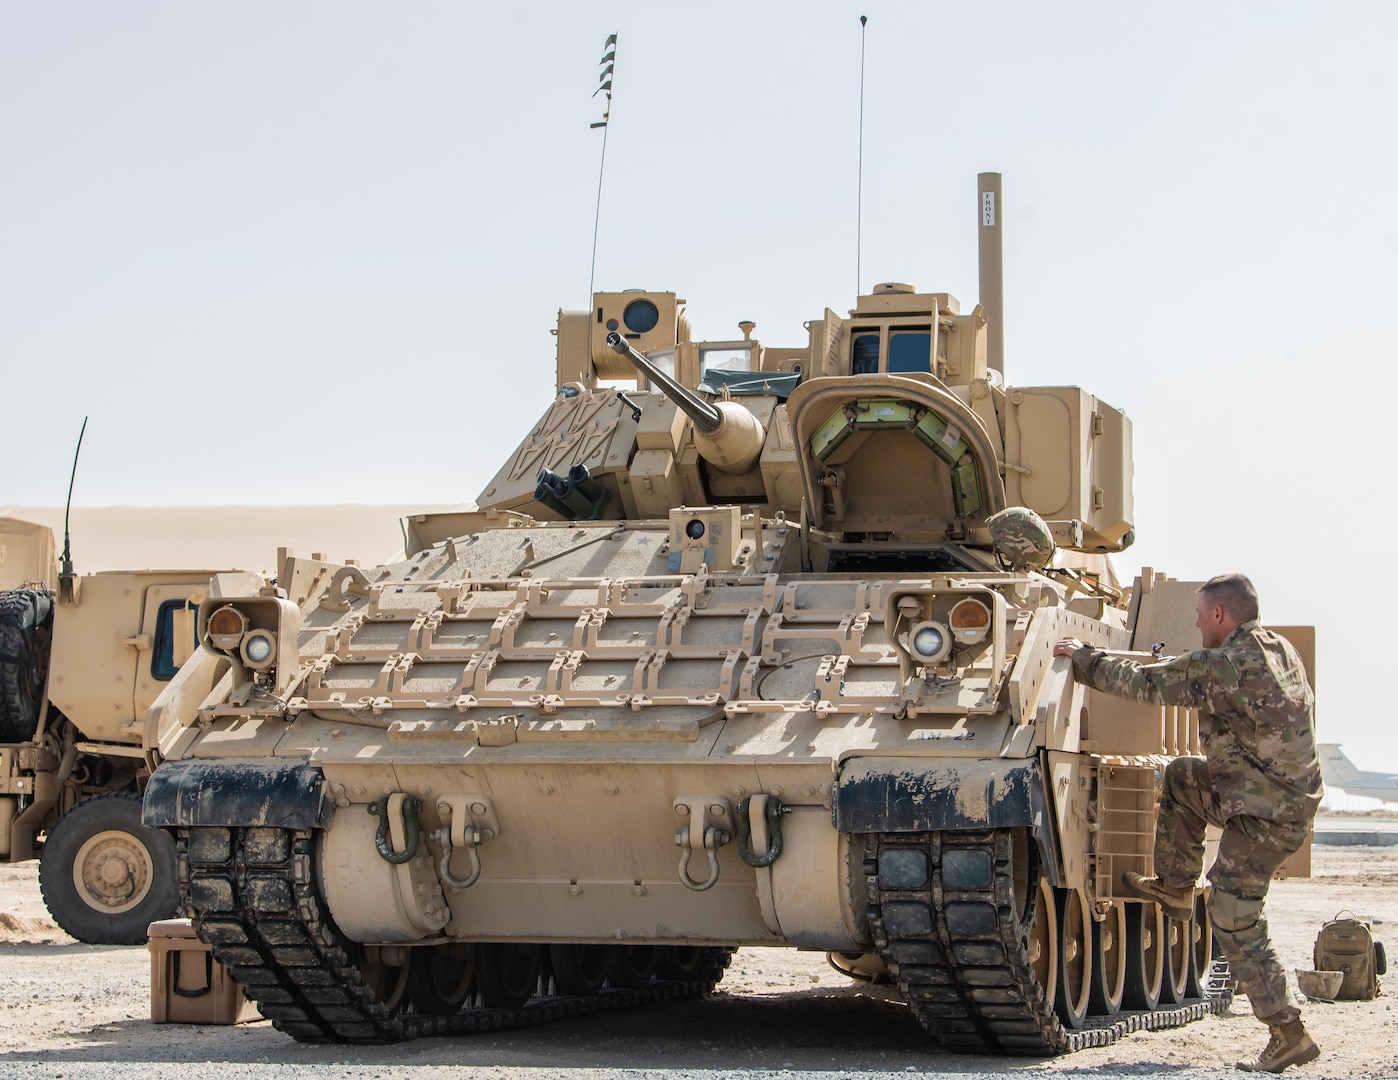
point(1259, 782)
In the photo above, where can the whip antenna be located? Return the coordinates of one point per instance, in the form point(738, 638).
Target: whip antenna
point(65, 566)
point(608, 65)
point(859, 196)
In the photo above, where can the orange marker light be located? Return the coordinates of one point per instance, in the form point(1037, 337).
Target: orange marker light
point(969, 615)
point(226, 622)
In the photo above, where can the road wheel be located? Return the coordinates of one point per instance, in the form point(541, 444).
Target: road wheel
point(631, 965)
point(1201, 951)
point(579, 970)
point(26, 618)
point(507, 973)
point(1074, 957)
point(1043, 942)
point(105, 876)
point(1145, 956)
point(440, 977)
point(679, 962)
point(1179, 941)
point(1108, 962)
point(385, 972)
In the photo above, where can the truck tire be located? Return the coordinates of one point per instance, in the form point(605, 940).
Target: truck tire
point(26, 618)
point(105, 876)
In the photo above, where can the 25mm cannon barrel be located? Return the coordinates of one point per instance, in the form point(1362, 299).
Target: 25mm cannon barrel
point(726, 434)
point(705, 416)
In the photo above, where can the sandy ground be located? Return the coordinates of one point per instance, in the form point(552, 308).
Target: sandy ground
point(75, 1010)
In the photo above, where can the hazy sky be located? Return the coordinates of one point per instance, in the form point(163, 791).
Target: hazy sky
point(313, 252)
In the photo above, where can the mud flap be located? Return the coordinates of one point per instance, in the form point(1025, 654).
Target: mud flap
point(893, 795)
point(255, 792)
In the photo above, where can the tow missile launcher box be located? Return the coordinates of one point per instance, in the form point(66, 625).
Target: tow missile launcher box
point(743, 646)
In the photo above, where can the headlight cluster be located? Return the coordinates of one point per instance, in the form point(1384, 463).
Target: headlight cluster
point(930, 641)
point(229, 633)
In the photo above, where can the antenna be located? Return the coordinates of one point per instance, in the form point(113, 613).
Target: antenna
point(859, 197)
point(608, 65)
point(65, 566)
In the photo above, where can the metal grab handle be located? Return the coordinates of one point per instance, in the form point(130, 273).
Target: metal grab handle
point(714, 838)
point(175, 976)
point(443, 837)
point(411, 805)
point(772, 811)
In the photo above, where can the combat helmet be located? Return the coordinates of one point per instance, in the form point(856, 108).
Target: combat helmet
point(1021, 538)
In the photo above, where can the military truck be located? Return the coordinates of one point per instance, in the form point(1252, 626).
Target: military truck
point(736, 650)
point(82, 659)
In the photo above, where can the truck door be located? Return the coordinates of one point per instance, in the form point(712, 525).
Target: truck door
point(167, 623)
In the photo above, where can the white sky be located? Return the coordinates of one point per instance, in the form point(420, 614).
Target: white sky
point(312, 253)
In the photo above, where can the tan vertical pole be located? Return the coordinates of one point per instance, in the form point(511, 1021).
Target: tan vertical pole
point(992, 297)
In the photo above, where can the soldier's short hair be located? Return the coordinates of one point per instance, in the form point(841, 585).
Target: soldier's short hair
point(1234, 593)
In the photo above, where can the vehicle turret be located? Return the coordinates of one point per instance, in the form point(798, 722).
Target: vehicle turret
point(889, 426)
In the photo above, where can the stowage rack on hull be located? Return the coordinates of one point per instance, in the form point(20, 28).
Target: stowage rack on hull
point(755, 652)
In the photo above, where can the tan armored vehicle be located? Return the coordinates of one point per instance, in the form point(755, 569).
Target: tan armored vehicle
point(735, 652)
point(81, 662)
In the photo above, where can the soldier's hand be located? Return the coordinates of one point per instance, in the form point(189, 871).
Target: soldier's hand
point(1067, 647)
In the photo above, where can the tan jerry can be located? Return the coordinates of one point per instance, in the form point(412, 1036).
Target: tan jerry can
point(187, 985)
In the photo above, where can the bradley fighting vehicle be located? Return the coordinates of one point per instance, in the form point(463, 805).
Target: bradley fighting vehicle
point(736, 654)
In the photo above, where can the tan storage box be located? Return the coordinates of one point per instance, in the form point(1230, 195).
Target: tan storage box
point(187, 985)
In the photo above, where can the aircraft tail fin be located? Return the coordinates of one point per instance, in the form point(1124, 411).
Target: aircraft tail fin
point(1335, 767)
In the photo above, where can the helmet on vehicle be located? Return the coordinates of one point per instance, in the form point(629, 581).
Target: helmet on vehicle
point(1021, 539)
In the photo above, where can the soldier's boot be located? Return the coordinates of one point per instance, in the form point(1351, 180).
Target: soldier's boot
point(1177, 901)
point(1291, 1044)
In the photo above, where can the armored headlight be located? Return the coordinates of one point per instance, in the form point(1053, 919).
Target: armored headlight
point(226, 628)
point(259, 649)
point(929, 642)
point(970, 621)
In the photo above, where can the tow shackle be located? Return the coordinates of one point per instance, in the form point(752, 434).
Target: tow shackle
point(412, 833)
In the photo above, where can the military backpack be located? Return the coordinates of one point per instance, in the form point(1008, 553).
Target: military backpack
point(1345, 944)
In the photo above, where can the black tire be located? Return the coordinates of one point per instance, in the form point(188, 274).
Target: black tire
point(578, 970)
point(127, 871)
point(507, 973)
point(26, 620)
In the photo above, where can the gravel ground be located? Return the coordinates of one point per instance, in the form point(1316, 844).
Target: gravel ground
point(82, 1012)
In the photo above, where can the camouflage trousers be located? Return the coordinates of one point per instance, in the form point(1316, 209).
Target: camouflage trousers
point(1249, 853)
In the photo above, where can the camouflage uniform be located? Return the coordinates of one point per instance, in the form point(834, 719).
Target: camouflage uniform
point(1259, 783)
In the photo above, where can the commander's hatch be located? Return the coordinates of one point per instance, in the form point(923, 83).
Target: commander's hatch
point(892, 453)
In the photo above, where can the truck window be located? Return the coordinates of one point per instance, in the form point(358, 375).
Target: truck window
point(162, 660)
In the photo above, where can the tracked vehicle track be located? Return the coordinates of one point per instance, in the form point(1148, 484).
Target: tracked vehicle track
point(254, 896)
point(948, 912)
